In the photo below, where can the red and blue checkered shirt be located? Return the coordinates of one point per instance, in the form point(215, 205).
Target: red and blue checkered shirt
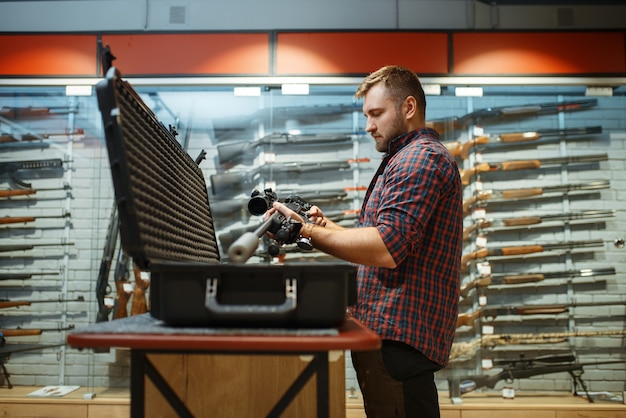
point(416, 204)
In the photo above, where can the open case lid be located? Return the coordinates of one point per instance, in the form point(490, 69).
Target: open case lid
point(160, 191)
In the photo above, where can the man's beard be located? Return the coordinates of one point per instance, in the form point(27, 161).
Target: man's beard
point(397, 128)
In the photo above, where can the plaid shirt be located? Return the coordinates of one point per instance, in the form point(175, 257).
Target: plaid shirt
point(416, 204)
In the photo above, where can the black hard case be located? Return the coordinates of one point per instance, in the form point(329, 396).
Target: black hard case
point(167, 229)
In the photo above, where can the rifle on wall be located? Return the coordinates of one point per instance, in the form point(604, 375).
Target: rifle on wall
point(480, 225)
point(514, 165)
point(5, 220)
point(5, 303)
point(54, 165)
point(300, 113)
point(25, 276)
point(8, 193)
point(139, 304)
point(494, 195)
point(462, 149)
point(465, 350)
point(23, 332)
point(24, 247)
point(30, 112)
point(522, 278)
point(524, 368)
point(231, 151)
point(240, 180)
point(526, 249)
point(102, 283)
point(468, 319)
point(479, 116)
point(122, 284)
point(30, 137)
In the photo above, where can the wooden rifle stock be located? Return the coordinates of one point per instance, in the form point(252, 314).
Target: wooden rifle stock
point(467, 174)
point(18, 303)
point(20, 332)
point(139, 304)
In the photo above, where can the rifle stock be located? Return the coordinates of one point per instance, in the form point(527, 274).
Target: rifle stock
point(26, 219)
point(122, 295)
point(139, 304)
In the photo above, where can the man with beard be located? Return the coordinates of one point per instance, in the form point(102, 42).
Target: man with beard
point(407, 246)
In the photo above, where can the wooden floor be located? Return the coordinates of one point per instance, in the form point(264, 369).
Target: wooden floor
point(113, 403)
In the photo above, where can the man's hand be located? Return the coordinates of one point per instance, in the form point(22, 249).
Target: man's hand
point(316, 216)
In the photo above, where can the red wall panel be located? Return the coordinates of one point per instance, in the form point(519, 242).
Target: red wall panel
point(530, 53)
point(48, 55)
point(336, 53)
point(191, 54)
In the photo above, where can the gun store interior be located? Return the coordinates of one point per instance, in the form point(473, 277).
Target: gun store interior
point(143, 146)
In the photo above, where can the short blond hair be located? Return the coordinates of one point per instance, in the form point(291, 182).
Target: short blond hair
point(400, 82)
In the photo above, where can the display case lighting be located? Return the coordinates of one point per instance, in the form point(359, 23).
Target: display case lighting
point(78, 90)
point(432, 89)
point(302, 89)
point(468, 91)
point(247, 91)
point(599, 91)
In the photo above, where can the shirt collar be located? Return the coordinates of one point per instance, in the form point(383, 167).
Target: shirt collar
point(403, 140)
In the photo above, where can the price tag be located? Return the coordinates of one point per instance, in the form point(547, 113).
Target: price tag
point(482, 300)
point(484, 269)
point(488, 330)
point(479, 214)
point(487, 363)
point(481, 241)
point(478, 131)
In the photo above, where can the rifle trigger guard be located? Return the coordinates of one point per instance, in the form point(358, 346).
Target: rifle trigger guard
point(212, 304)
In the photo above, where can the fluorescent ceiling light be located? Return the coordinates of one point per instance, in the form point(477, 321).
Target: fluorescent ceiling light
point(247, 91)
point(295, 89)
point(469, 91)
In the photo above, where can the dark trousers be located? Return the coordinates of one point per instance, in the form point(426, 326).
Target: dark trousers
point(397, 381)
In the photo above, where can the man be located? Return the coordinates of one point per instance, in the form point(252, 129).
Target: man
point(408, 247)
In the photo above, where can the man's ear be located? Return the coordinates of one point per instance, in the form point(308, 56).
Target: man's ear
point(410, 107)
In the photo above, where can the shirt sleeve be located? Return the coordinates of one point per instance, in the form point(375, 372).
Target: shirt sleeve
point(411, 190)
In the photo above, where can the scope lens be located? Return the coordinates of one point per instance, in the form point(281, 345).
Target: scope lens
point(258, 206)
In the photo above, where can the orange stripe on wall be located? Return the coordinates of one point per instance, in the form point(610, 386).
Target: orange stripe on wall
point(336, 53)
point(191, 54)
point(49, 55)
point(538, 53)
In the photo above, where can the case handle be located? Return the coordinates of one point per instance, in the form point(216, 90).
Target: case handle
point(290, 303)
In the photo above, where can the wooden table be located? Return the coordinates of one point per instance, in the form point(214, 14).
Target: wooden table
point(350, 335)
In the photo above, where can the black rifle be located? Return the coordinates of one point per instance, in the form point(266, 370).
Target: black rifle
point(24, 247)
point(496, 195)
point(468, 319)
point(234, 206)
point(240, 180)
point(479, 116)
point(462, 149)
point(285, 230)
point(51, 165)
point(521, 278)
point(7, 350)
point(24, 276)
point(480, 225)
point(5, 303)
point(526, 249)
point(232, 151)
point(301, 113)
point(524, 368)
point(513, 165)
point(103, 289)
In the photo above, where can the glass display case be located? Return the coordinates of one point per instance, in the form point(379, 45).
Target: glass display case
point(543, 173)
